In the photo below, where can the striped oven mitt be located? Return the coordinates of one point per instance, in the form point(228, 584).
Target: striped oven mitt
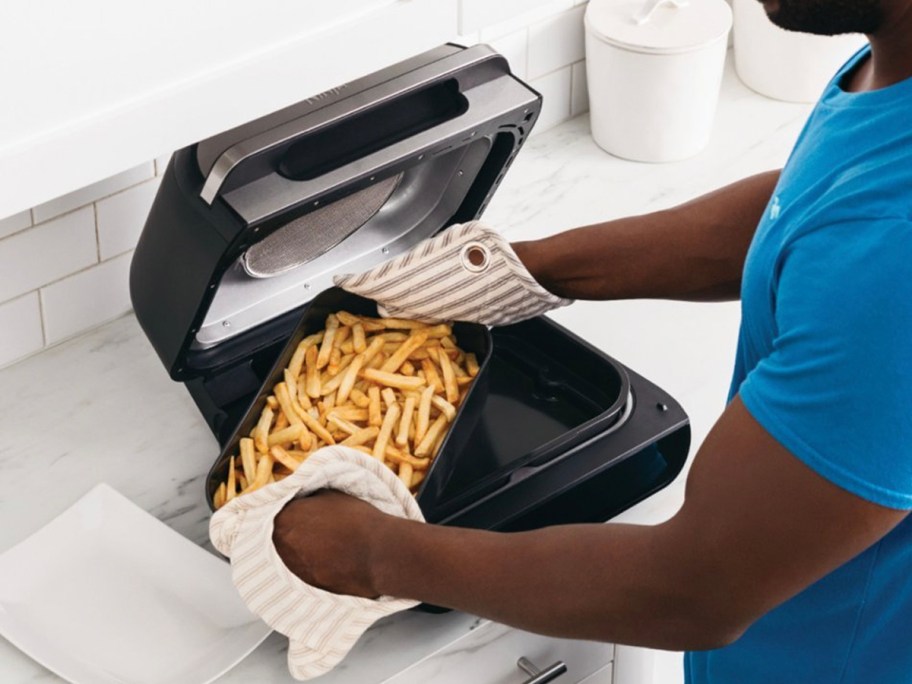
point(321, 626)
point(467, 273)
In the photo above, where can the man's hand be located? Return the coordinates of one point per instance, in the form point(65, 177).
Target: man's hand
point(325, 539)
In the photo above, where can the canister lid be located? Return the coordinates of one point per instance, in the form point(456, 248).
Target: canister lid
point(659, 26)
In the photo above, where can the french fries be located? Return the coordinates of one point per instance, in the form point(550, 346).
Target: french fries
point(388, 387)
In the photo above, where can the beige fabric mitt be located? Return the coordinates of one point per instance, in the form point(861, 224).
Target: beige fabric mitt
point(321, 626)
point(468, 272)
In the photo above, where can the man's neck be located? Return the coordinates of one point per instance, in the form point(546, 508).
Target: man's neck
point(891, 51)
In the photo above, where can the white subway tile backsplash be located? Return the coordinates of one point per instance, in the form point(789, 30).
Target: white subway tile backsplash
point(87, 299)
point(507, 16)
point(15, 223)
point(555, 92)
point(556, 42)
point(121, 218)
point(20, 328)
point(513, 46)
point(45, 253)
point(579, 90)
point(90, 193)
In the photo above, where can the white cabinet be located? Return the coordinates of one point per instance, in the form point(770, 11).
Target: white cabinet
point(489, 655)
point(100, 86)
point(603, 676)
point(477, 14)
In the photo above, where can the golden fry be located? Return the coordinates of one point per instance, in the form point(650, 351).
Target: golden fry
point(359, 344)
point(363, 436)
point(219, 499)
point(232, 482)
point(263, 471)
point(360, 399)
point(427, 443)
point(402, 324)
point(248, 459)
point(386, 429)
point(340, 422)
point(431, 375)
point(424, 414)
point(449, 377)
point(405, 474)
point(446, 408)
point(375, 417)
point(406, 421)
point(281, 393)
point(303, 397)
point(335, 359)
point(283, 437)
point(312, 373)
point(261, 431)
point(285, 458)
point(349, 378)
point(403, 382)
point(400, 355)
point(332, 325)
point(441, 330)
point(417, 463)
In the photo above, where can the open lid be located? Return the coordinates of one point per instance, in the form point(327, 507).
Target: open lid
point(659, 26)
point(249, 225)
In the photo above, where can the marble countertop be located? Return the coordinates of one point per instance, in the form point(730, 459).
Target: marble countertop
point(101, 408)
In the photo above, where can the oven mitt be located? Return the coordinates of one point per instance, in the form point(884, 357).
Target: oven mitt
point(321, 626)
point(468, 272)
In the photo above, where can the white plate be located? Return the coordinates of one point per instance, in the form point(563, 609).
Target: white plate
point(107, 594)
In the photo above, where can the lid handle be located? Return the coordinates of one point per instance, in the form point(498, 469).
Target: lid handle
point(650, 6)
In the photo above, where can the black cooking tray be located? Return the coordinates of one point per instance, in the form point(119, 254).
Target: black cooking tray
point(470, 337)
point(548, 391)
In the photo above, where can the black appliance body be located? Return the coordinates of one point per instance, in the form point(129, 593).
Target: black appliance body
point(250, 225)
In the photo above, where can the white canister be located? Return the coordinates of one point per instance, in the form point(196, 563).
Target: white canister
point(654, 72)
point(786, 65)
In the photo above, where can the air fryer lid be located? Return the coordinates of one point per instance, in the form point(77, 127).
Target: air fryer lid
point(249, 225)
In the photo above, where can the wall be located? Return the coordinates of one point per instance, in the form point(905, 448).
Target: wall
point(64, 265)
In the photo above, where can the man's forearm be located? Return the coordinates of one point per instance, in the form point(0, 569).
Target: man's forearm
point(694, 251)
point(598, 582)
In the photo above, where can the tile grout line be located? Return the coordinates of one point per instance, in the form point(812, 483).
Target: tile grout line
point(68, 275)
point(61, 341)
point(44, 338)
point(97, 233)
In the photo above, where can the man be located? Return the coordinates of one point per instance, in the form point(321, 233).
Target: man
point(789, 560)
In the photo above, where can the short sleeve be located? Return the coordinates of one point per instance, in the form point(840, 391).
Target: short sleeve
point(836, 390)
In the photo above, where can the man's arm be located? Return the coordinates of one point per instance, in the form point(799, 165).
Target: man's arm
point(694, 251)
point(757, 527)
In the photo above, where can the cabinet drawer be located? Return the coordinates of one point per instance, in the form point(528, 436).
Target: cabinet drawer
point(603, 676)
point(489, 655)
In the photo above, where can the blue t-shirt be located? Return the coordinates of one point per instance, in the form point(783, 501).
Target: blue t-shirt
point(824, 364)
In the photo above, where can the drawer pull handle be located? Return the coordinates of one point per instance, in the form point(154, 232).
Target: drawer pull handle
point(549, 674)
